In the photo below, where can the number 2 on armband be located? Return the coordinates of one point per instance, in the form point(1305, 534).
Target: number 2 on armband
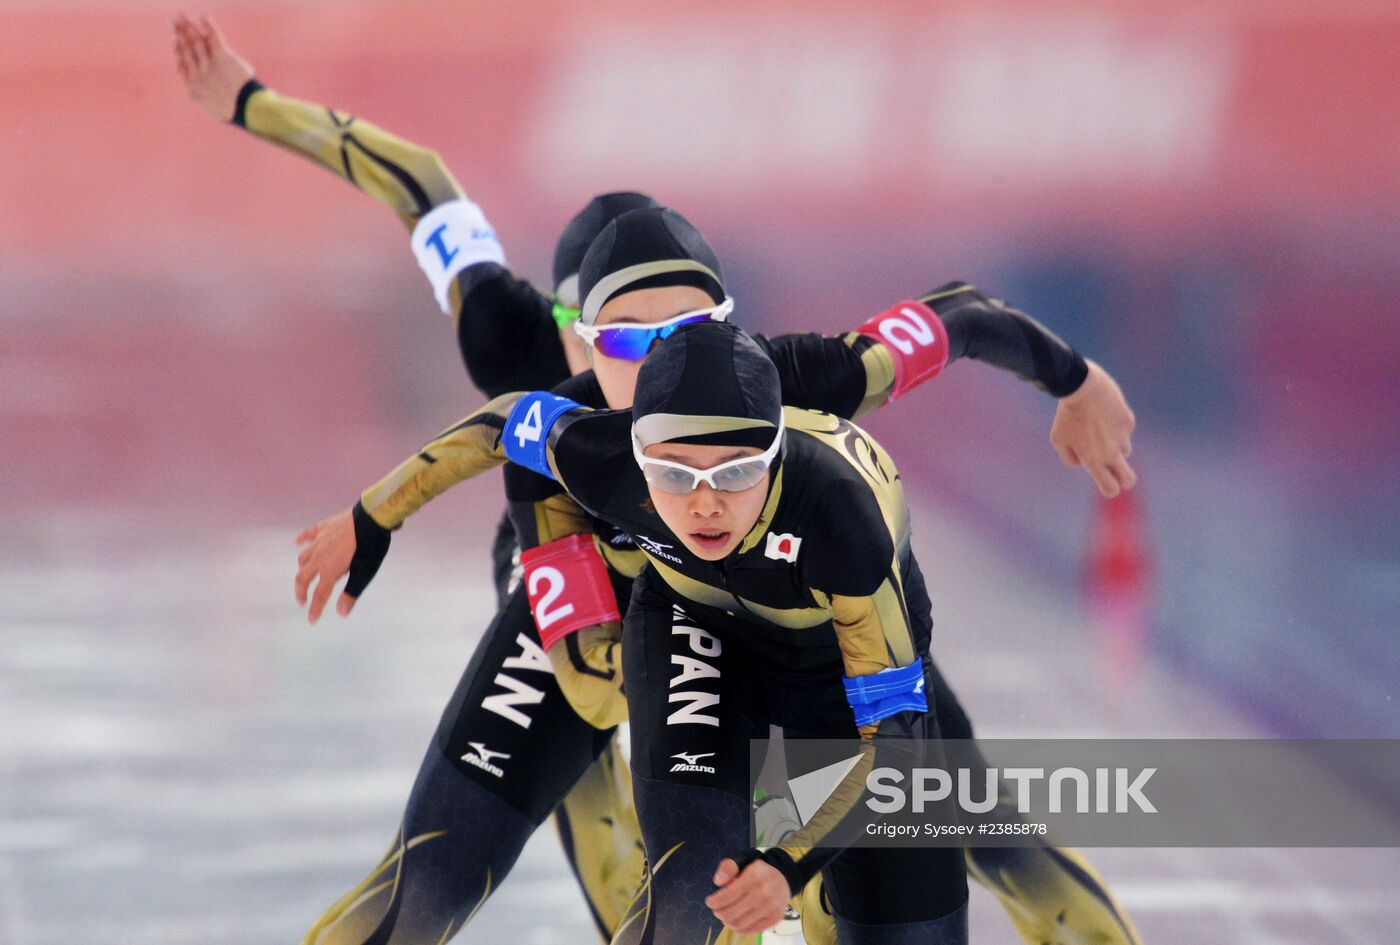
point(553, 578)
point(529, 429)
point(908, 326)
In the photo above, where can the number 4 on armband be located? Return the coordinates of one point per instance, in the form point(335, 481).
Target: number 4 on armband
point(530, 427)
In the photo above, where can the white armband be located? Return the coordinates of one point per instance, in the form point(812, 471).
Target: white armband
point(450, 238)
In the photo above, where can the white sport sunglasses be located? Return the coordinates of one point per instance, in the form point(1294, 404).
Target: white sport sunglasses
point(733, 476)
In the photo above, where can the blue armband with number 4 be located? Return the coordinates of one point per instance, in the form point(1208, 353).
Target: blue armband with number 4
point(887, 693)
point(526, 435)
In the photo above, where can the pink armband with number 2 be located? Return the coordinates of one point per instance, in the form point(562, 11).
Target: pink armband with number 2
point(567, 582)
point(916, 338)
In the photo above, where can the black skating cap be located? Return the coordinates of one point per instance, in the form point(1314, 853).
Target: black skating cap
point(708, 384)
point(645, 249)
point(580, 231)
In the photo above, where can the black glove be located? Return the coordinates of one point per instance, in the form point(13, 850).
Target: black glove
point(777, 859)
point(371, 545)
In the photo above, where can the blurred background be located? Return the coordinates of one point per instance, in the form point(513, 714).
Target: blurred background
point(206, 344)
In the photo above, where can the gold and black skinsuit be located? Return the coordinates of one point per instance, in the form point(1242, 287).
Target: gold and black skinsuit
point(463, 825)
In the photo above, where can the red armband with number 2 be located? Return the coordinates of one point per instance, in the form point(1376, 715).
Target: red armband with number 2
point(916, 337)
point(568, 586)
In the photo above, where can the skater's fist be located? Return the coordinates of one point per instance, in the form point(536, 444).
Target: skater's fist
point(213, 73)
point(327, 548)
point(1093, 428)
point(751, 900)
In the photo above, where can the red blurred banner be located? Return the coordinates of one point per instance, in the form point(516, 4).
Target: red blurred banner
point(1137, 116)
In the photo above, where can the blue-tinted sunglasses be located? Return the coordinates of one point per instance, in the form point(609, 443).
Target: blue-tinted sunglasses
point(631, 342)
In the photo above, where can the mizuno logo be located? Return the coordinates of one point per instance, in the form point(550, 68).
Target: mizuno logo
point(652, 546)
point(482, 758)
point(688, 762)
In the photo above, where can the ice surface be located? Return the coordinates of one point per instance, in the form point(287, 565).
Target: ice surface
point(183, 760)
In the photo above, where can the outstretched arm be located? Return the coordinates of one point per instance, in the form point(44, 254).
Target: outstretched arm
point(504, 328)
point(355, 541)
point(854, 373)
point(409, 179)
point(520, 427)
point(1093, 423)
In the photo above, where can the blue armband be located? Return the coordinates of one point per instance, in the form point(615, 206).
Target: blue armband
point(887, 693)
point(526, 434)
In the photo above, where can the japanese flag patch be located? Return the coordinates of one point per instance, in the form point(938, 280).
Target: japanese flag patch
point(782, 547)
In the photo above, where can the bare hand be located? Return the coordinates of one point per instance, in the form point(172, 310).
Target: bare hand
point(325, 559)
point(749, 902)
point(213, 72)
point(1093, 428)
